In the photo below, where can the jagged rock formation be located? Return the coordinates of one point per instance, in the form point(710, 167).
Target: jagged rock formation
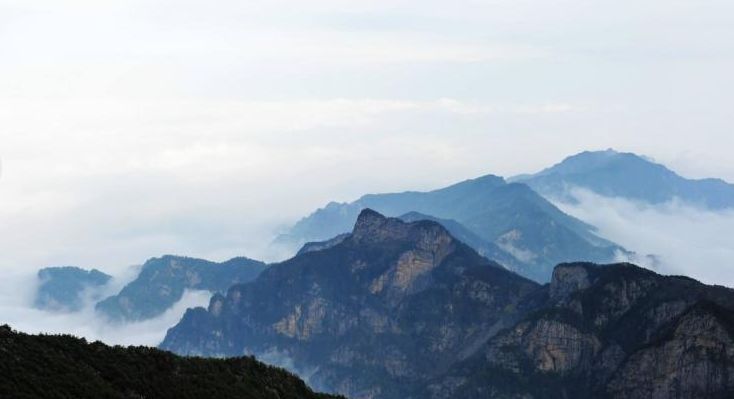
point(162, 281)
point(530, 230)
point(618, 331)
point(404, 310)
point(619, 174)
point(388, 306)
point(485, 248)
point(63, 289)
point(45, 366)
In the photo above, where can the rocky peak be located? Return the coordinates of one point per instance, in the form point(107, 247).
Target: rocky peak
point(372, 228)
point(569, 278)
point(368, 223)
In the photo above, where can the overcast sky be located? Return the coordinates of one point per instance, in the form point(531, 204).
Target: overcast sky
point(129, 129)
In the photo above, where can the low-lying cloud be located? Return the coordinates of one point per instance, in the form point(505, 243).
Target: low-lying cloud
point(17, 290)
point(687, 240)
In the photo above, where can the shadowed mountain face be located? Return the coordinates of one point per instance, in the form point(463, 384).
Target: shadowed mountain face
point(618, 331)
point(404, 310)
point(162, 281)
point(63, 288)
point(485, 248)
point(626, 175)
point(393, 302)
point(509, 216)
point(43, 366)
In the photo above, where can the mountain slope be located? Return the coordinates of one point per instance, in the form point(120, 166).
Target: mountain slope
point(162, 281)
point(617, 331)
point(485, 248)
point(387, 306)
point(43, 366)
point(512, 216)
point(618, 174)
point(404, 310)
point(63, 288)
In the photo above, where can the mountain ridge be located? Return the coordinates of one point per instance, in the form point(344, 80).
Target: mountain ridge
point(62, 288)
point(63, 366)
point(510, 215)
point(406, 310)
point(161, 283)
point(331, 306)
point(628, 175)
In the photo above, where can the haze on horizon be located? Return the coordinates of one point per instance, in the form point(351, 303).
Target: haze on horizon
point(132, 129)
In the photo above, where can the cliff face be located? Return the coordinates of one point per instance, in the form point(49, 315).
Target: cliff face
point(371, 316)
point(609, 332)
point(404, 310)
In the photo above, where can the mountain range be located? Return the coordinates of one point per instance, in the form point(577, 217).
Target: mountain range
point(627, 175)
point(480, 289)
point(162, 281)
point(509, 220)
point(398, 309)
point(62, 289)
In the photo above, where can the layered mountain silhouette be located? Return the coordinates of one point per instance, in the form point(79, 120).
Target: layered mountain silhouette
point(626, 175)
point(528, 229)
point(162, 282)
point(393, 301)
point(63, 289)
point(45, 366)
point(398, 309)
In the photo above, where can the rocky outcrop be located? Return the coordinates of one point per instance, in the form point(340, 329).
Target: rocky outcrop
point(617, 331)
point(371, 317)
point(695, 361)
point(404, 310)
point(162, 281)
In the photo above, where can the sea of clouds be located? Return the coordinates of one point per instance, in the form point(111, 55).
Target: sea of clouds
point(686, 240)
point(17, 291)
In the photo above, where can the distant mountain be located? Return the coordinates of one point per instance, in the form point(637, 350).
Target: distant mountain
point(162, 281)
point(405, 310)
point(46, 366)
point(511, 216)
point(64, 288)
point(485, 248)
point(391, 303)
point(626, 175)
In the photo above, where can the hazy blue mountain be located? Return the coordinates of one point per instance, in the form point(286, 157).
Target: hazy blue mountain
point(619, 174)
point(320, 245)
point(405, 310)
point(162, 281)
point(391, 303)
point(485, 248)
point(64, 288)
point(511, 216)
point(62, 366)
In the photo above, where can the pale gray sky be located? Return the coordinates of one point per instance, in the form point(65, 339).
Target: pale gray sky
point(134, 128)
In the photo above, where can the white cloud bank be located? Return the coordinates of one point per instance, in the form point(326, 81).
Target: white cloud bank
point(138, 128)
point(16, 296)
point(689, 241)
